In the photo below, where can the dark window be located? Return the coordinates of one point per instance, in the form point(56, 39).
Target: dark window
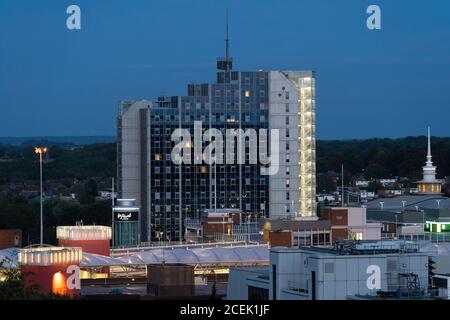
point(274, 282)
point(313, 285)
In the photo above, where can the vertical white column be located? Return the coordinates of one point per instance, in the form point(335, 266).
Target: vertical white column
point(307, 145)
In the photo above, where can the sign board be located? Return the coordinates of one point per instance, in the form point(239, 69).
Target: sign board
point(126, 216)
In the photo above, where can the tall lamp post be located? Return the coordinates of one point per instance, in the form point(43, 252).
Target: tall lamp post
point(423, 223)
point(396, 227)
point(41, 151)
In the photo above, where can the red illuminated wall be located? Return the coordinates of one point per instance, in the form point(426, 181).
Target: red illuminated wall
point(90, 246)
point(44, 277)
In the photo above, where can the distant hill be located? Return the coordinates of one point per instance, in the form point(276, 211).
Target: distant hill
point(76, 140)
point(85, 157)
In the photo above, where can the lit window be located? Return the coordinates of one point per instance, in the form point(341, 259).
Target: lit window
point(247, 93)
point(357, 236)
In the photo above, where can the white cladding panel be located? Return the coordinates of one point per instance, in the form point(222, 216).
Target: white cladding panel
point(283, 115)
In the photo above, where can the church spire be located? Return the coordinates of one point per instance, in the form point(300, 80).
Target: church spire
point(429, 184)
point(429, 162)
point(429, 146)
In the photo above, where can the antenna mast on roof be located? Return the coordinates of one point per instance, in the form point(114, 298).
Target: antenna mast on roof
point(227, 46)
point(225, 63)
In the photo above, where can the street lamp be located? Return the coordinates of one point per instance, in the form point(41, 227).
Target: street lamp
point(41, 151)
point(403, 205)
point(248, 227)
point(223, 227)
point(396, 227)
point(423, 222)
point(160, 235)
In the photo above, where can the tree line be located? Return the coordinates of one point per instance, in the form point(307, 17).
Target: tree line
point(373, 158)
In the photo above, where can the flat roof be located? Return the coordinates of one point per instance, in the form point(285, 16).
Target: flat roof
point(359, 248)
point(281, 224)
point(423, 201)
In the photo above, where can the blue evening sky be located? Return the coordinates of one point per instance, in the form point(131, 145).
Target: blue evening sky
point(388, 83)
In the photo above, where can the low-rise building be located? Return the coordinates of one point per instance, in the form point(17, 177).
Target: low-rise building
point(366, 195)
point(107, 195)
point(387, 182)
point(10, 238)
point(409, 213)
point(294, 233)
point(362, 183)
point(351, 223)
point(170, 280)
point(350, 269)
point(211, 224)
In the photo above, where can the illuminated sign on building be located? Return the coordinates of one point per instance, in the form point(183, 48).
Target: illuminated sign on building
point(126, 216)
point(126, 222)
point(65, 282)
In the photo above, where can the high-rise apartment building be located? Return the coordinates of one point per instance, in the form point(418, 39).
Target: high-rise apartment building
point(167, 192)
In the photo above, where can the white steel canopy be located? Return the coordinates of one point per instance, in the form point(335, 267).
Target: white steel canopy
point(210, 255)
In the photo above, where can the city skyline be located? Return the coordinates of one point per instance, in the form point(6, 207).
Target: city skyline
point(74, 77)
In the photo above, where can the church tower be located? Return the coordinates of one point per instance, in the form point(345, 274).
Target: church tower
point(429, 184)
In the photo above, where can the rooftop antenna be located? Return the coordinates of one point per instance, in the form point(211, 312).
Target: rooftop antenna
point(227, 47)
point(225, 63)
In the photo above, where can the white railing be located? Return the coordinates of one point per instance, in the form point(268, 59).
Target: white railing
point(121, 251)
point(428, 236)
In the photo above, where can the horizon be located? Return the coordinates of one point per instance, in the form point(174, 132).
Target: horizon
point(322, 139)
point(386, 83)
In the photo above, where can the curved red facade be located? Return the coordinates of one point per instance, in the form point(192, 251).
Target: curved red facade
point(90, 246)
point(92, 239)
point(52, 269)
point(52, 279)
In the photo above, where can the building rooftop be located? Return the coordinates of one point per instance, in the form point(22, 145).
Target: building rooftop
point(406, 217)
point(281, 224)
point(350, 247)
point(410, 201)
